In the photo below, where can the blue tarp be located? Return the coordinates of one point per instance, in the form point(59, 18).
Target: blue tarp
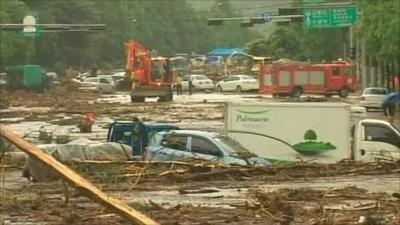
point(225, 52)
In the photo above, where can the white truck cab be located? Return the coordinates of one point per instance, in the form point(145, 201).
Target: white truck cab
point(376, 140)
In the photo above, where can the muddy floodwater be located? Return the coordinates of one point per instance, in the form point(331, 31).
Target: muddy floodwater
point(303, 194)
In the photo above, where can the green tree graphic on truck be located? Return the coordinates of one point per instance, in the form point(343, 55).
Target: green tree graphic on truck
point(311, 146)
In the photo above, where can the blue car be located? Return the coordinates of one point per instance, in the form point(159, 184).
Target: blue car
point(186, 144)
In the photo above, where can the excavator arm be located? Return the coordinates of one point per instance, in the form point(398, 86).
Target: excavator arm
point(138, 62)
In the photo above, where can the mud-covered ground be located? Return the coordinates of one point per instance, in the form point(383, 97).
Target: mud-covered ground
point(344, 193)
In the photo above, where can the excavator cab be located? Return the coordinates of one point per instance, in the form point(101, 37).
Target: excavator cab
point(160, 73)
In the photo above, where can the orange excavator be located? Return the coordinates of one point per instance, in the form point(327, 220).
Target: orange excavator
point(150, 76)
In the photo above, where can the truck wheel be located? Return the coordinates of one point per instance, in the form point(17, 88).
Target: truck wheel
point(163, 99)
point(137, 99)
point(297, 91)
point(219, 89)
point(238, 89)
point(343, 93)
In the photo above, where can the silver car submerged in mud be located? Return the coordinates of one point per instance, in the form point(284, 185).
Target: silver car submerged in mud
point(186, 144)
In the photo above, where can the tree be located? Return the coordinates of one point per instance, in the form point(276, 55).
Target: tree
point(310, 135)
point(166, 26)
point(14, 48)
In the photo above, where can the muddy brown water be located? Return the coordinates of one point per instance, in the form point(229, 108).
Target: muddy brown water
point(199, 111)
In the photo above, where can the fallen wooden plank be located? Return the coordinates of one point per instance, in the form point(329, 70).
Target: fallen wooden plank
point(198, 191)
point(76, 180)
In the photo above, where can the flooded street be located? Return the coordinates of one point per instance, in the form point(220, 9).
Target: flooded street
point(169, 197)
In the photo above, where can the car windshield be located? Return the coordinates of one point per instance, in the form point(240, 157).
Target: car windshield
point(90, 80)
point(247, 78)
point(376, 91)
point(231, 146)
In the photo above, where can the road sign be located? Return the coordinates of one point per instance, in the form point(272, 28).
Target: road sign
point(330, 17)
point(267, 16)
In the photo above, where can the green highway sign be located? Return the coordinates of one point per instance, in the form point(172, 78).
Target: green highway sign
point(330, 17)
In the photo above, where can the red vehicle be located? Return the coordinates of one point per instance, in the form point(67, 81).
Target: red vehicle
point(151, 77)
point(292, 79)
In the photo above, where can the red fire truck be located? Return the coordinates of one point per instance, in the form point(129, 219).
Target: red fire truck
point(295, 79)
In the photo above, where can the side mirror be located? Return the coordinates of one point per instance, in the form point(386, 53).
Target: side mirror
point(362, 152)
point(219, 154)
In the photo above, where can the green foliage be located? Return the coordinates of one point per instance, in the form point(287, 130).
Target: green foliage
point(166, 26)
point(310, 135)
point(379, 29)
point(296, 43)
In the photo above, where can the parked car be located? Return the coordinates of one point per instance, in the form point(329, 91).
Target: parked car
point(118, 77)
point(237, 83)
point(3, 78)
point(109, 78)
point(102, 84)
point(199, 82)
point(372, 97)
point(186, 144)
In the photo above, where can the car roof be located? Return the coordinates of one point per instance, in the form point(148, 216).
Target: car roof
point(375, 88)
point(193, 132)
point(87, 78)
point(198, 75)
point(241, 75)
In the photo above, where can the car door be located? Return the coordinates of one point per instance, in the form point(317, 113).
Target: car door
point(172, 147)
point(379, 143)
point(203, 148)
point(226, 84)
point(195, 82)
point(105, 85)
point(185, 83)
point(235, 81)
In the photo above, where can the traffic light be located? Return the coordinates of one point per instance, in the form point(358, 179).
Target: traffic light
point(282, 23)
point(353, 53)
point(257, 20)
point(246, 24)
point(290, 11)
point(214, 22)
point(296, 19)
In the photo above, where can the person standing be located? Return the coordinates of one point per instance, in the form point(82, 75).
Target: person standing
point(389, 112)
point(179, 85)
point(190, 85)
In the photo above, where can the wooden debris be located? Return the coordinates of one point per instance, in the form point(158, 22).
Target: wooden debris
point(365, 206)
point(198, 191)
point(76, 180)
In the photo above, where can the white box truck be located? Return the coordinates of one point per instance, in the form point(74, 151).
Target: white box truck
point(320, 132)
